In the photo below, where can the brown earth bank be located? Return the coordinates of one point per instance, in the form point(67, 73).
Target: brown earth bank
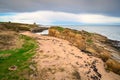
point(92, 44)
point(58, 59)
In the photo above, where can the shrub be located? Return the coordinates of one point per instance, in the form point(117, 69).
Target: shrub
point(113, 66)
point(105, 56)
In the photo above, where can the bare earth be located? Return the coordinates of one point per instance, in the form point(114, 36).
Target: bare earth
point(57, 59)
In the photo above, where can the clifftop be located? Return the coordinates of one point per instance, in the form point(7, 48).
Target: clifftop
point(92, 44)
point(16, 26)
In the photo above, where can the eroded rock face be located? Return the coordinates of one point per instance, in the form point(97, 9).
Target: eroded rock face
point(95, 44)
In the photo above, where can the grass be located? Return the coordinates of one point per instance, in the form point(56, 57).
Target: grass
point(18, 57)
point(16, 26)
point(89, 41)
point(59, 28)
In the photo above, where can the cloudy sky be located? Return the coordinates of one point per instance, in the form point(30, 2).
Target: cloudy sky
point(68, 12)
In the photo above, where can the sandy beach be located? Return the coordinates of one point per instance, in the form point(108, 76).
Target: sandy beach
point(57, 59)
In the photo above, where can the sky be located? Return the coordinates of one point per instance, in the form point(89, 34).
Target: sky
point(61, 12)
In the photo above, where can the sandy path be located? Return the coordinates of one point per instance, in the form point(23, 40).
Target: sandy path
point(57, 59)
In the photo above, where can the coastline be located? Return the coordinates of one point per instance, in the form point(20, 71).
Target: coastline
point(111, 31)
point(66, 53)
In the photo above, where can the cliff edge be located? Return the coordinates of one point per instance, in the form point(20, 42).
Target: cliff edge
point(92, 44)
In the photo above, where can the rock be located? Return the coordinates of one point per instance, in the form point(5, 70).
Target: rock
point(38, 29)
point(114, 43)
point(94, 78)
point(12, 68)
point(32, 67)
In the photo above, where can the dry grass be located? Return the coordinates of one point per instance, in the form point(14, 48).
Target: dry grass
point(105, 56)
point(9, 40)
point(113, 66)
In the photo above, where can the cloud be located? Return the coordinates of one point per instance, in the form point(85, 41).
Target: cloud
point(98, 19)
point(51, 17)
point(107, 7)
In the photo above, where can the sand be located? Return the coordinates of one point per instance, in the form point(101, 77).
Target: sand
point(57, 59)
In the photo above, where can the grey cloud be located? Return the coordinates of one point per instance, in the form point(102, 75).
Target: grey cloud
point(107, 7)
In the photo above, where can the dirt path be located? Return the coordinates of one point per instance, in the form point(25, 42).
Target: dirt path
point(57, 59)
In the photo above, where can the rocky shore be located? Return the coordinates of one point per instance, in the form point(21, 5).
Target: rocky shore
point(115, 43)
point(39, 29)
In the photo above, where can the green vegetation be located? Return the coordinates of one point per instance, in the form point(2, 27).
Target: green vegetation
point(17, 57)
point(59, 28)
point(89, 41)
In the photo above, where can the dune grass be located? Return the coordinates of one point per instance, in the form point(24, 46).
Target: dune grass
point(18, 57)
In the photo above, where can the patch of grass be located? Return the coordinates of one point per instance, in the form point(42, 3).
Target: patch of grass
point(89, 41)
point(60, 28)
point(18, 57)
point(4, 56)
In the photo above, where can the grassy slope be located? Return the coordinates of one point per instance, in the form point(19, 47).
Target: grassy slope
point(19, 57)
point(16, 26)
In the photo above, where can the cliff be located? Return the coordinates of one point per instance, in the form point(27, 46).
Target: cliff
point(92, 44)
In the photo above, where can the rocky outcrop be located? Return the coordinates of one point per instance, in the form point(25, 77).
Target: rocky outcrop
point(92, 44)
point(114, 43)
point(38, 29)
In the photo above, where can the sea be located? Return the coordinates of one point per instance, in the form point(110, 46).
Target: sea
point(111, 32)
